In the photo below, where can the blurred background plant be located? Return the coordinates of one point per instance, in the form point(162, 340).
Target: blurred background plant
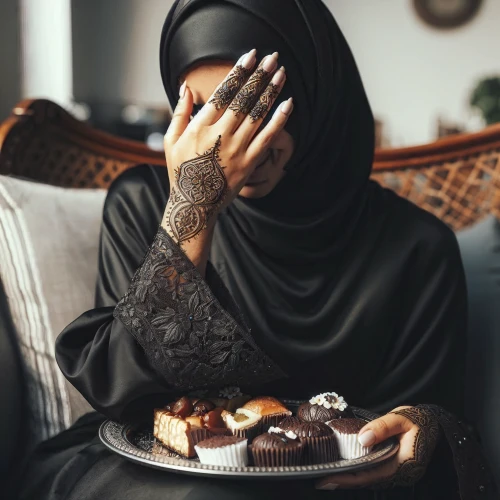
point(486, 99)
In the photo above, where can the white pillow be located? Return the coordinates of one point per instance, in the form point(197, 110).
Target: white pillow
point(49, 239)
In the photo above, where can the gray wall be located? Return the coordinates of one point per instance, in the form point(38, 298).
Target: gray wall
point(10, 50)
point(115, 50)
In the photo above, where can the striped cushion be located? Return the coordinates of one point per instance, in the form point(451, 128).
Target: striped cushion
point(49, 241)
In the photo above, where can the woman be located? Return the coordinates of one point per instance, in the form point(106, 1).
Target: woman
point(273, 239)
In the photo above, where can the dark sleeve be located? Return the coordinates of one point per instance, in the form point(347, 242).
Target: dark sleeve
point(472, 477)
point(127, 358)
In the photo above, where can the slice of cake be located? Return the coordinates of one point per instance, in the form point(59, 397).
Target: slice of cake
point(174, 432)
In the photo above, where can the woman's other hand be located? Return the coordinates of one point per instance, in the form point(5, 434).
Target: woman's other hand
point(210, 157)
point(417, 431)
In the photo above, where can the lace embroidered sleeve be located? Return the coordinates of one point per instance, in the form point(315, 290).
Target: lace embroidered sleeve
point(474, 477)
point(188, 336)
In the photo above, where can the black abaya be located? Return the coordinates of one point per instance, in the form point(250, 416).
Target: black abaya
point(105, 362)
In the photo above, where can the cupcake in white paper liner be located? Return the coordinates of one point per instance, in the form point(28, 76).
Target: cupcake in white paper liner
point(346, 433)
point(230, 451)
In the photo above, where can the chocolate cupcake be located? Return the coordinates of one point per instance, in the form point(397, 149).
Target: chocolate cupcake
point(289, 423)
point(230, 451)
point(270, 409)
point(321, 445)
point(324, 407)
point(277, 448)
point(346, 432)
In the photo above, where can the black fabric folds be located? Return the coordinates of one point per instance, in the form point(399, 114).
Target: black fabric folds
point(329, 266)
point(346, 286)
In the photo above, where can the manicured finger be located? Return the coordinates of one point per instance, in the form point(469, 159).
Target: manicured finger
point(250, 126)
point(382, 428)
point(227, 90)
point(181, 117)
point(247, 97)
point(267, 135)
point(359, 479)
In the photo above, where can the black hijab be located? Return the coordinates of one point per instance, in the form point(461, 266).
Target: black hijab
point(308, 263)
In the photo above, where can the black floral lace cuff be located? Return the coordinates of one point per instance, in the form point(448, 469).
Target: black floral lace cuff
point(474, 477)
point(189, 337)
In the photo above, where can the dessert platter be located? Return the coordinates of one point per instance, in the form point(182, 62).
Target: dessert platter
point(230, 434)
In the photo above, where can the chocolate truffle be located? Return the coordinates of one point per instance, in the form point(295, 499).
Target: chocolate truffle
point(289, 423)
point(277, 448)
point(346, 432)
point(321, 446)
point(324, 407)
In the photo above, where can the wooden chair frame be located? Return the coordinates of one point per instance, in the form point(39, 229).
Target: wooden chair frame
point(457, 178)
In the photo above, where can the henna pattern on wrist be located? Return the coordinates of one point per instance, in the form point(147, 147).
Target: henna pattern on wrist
point(248, 95)
point(413, 469)
point(230, 87)
point(199, 190)
point(265, 102)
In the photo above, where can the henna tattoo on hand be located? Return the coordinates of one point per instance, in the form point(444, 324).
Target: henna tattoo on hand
point(265, 102)
point(230, 87)
point(200, 188)
point(413, 469)
point(248, 95)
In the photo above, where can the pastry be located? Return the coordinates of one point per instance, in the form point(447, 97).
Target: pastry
point(324, 407)
point(277, 448)
point(321, 445)
point(244, 423)
point(346, 433)
point(270, 409)
point(223, 450)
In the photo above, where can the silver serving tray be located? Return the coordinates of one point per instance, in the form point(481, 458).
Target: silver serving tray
point(136, 444)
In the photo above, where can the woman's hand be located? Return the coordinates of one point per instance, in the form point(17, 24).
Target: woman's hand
point(417, 431)
point(211, 156)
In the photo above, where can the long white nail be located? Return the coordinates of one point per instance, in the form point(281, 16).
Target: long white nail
point(367, 438)
point(248, 60)
point(279, 76)
point(182, 90)
point(287, 107)
point(271, 62)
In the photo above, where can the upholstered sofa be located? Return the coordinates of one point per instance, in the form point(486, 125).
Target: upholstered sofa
point(54, 173)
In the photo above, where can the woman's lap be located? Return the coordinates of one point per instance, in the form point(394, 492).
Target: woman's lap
point(75, 465)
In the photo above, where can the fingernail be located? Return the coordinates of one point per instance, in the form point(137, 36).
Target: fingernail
point(270, 63)
point(287, 107)
point(182, 90)
point(249, 59)
point(279, 76)
point(367, 438)
point(329, 486)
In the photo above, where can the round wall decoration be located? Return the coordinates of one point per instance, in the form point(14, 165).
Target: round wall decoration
point(447, 13)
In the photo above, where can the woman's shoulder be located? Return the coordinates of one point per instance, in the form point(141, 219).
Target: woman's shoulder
point(139, 178)
point(143, 185)
point(416, 226)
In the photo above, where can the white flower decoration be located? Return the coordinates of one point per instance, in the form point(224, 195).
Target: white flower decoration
point(230, 392)
point(329, 400)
